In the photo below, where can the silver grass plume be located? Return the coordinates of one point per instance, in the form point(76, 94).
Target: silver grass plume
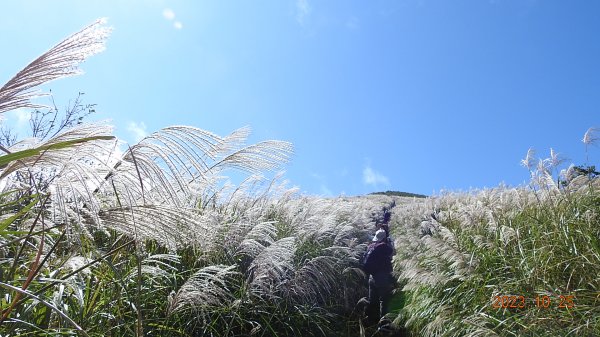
point(60, 61)
point(315, 281)
point(529, 159)
point(162, 165)
point(157, 266)
point(568, 174)
point(590, 136)
point(167, 164)
point(70, 174)
point(96, 149)
point(272, 267)
point(263, 156)
point(257, 239)
point(555, 158)
point(208, 289)
point(174, 227)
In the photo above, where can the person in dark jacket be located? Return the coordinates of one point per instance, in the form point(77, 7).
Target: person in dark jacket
point(384, 223)
point(378, 265)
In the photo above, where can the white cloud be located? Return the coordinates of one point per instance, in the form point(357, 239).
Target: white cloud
point(303, 10)
point(374, 178)
point(168, 14)
point(17, 120)
point(23, 116)
point(138, 131)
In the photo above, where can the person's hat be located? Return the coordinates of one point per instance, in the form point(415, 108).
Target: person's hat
point(379, 235)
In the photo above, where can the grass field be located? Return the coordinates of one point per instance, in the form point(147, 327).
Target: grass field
point(503, 262)
point(152, 241)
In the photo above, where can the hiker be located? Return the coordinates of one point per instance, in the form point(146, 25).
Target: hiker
point(383, 223)
point(378, 265)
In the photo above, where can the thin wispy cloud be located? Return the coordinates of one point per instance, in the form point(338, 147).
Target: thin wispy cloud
point(169, 14)
point(137, 130)
point(17, 120)
point(22, 116)
point(374, 178)
point(303, 10)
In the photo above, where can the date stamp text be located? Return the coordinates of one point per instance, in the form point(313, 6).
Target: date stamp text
point(539, 301)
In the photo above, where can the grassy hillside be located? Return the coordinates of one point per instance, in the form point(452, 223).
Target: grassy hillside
point(152, 242)
point(502, 262)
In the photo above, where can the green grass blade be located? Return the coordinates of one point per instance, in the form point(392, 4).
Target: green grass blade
point(6, 222)
point(6, 159)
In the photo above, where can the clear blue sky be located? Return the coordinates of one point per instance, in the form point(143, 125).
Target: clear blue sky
point(409, 95)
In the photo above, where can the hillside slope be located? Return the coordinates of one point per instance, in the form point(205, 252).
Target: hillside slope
point(501, 262)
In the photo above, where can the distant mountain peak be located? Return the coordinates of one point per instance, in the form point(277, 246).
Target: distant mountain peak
point(399, 194)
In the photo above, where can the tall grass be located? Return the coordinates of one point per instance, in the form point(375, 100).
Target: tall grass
point(151, 241)
point(522, 243)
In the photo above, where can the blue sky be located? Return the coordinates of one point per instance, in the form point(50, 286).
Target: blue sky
point(410, 95)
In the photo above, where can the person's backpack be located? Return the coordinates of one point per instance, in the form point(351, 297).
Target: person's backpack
point(365, 260)
point(370, 263)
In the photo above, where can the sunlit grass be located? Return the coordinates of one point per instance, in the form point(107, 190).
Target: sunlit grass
point(153, 242)
point(520, 244)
